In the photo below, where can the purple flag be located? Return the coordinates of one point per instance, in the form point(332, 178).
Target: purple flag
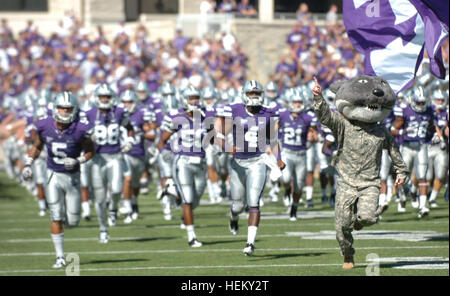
point(436, 31)
point(391, 35)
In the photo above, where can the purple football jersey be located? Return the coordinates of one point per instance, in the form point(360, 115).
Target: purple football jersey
point(137, 120)
point(106, 128)
point(61, 144)
point(440, 120)
point(153, 104)
point(250, 132)
point(419, 122)
point(188, 133)
point(398, 112)
point(294, 131)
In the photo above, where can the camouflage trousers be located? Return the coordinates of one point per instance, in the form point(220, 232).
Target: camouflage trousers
point(354, 204)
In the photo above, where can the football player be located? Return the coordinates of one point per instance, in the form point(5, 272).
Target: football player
point(208, 99)
point(65, 137)
point(107, 165)
point(167, 194)
point(271, 101)
point(294, 126)
point(313, 149)
point(140, 118)
point(437, 149)
point(414, 123)
point(189, 127)
point(253, 127)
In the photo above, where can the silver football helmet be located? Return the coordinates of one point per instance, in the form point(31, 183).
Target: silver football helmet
point(104, 96)
point(271, 91)
point(168, 96)
point(439, 99)
point(191, 99)
point(417, 99)
point(209, 96)
point(252, 93)
point(67, 100)
point(296, 97)
point(130, 96)
point(142, 90)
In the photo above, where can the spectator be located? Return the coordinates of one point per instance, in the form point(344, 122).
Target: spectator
point(303, 14)
point(245, 8)
point(227, 6)
point(332, 14)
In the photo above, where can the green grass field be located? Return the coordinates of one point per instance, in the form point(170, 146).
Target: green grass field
point(153, 246)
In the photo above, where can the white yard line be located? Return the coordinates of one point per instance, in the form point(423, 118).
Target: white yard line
point(204, 250)
point(177, 267)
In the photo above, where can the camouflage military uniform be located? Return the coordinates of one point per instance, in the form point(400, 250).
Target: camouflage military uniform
point(357, 163)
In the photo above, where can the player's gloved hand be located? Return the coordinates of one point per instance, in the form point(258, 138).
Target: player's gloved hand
point(27, 173)
point(128, 145)
point(443, 146)
point(166, 155)
point(436, 139)
point(70, 163)
point(153, 153)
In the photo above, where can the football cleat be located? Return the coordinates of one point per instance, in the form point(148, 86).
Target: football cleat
point(144, 190)
point(194, 243)
point(414, 200)
point(401, 207)
point(41, 213)
point(324, 199)
point(286, 200)
point(249, 249)
point(128, 219)
point(112, 218)
point(135, 212)
point(60, 262)
point(234, 227)
point(104, 237)
point(433, 204)
point(423, 212)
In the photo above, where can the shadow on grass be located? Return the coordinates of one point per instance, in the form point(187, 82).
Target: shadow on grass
point(282, 256)
point(218, 242)
point(113, 261)
point(146, 239)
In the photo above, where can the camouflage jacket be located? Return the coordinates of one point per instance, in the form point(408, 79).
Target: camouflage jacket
point(358, 158)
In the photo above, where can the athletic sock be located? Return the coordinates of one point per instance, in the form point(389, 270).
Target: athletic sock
point(127, 205)
point(41, 203)
point(422, 201)
point(382, 199)
point(190, 232)
point(251, 235)
point(433, 195)
point(309, 192)
point(58, 242)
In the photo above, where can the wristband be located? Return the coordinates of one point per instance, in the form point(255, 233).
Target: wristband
point(400, 132)
point(9, 127)
point(220, 136)
point(81, 159)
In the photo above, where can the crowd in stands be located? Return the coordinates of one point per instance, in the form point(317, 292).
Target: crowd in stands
point(70, 59)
